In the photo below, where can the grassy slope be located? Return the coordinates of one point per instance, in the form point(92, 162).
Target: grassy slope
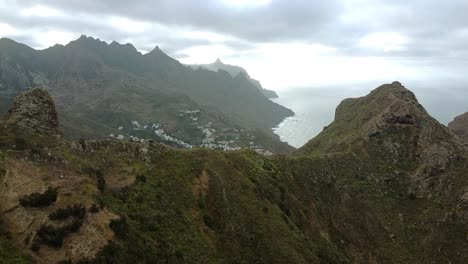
point(305, 209)
point(9, 254)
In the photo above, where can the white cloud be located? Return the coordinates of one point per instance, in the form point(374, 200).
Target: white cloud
point(282, 66)
point(384, 41)
point(49, 38)
point(6, 30)
point(128, 25)
point(247, 3)
point(208, 35)
point(205, 53)
point(42, 11)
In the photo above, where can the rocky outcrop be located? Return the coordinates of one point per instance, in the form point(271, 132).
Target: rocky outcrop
point(391, 124)
point(459, 126)
point(34, 109)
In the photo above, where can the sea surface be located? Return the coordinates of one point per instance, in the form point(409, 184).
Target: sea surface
point(314, 107)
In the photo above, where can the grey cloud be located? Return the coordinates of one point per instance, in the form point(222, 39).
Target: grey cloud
point(431, 25)
point(292, 19)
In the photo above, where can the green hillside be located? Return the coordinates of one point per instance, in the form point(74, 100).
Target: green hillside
point(384, 183)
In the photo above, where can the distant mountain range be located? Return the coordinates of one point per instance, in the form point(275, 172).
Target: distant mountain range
point(107, 89)
point(234, 71)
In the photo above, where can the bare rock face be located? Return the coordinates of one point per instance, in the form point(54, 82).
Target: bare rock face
point(35, 110)
point(459, 126)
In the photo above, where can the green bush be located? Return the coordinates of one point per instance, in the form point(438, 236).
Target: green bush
point(77, 211)
point(2, 164)
point(20, 143)
point(94, 208)
point(10, 254)
point(52, 236)
point(141, 178)
point(101, 182)
point(120, 227)
point(40, 199)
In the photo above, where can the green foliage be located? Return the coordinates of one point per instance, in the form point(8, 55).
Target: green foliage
point(20, 143)
point(53, 236)
point(76, 211)
point(2, 165)
point(9, 254)
point(141, 178)
point(39, 199)
point(101, 182)
point(120, 227)
point(146, 233)
point(94, 208)
point(230, 217)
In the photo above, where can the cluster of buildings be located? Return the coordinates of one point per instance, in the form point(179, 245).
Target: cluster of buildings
point(209, 141)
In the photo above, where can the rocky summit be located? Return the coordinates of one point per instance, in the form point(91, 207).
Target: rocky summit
point(34, 109)
point(459, 126)
point(383, 183)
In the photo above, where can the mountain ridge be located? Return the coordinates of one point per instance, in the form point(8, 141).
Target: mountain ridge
point(235, 71)
point(99, 87)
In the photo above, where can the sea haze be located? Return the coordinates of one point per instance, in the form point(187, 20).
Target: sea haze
point(314, 107)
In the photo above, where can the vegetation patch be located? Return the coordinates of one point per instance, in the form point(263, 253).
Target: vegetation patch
point(40, 199)
point(9, 254)
point(53, 236)
point(77, 211)
point(2, 165)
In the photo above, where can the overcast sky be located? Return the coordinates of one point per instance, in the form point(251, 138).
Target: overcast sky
point(283, 43)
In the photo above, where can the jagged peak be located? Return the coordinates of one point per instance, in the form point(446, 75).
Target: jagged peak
point(156, 51)
point(35, 110)
point(127, 46)
point(218, 61)
point(87, 41)
point(84, 37)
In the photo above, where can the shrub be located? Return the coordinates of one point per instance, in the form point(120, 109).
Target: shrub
point(52, 236)
point(77, 211)
point(101, 182)
point(2, 164)
point(82, 142)
point(141, 178)
point(209, 221)
point(94, 208)
point(119, 226)
point(40, 199)
point(20, 143)
point(35, 246)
